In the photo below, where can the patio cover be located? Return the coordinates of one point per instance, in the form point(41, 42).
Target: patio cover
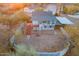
point(64, 20)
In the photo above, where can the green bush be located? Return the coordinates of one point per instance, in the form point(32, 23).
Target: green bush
point(22, 50)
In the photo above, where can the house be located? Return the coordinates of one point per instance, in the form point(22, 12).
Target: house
point(44, 19)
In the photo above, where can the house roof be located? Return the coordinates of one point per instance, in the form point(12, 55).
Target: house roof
point(43, 16)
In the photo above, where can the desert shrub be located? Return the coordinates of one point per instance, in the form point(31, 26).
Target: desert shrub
point(73, 32)
point(70, 9)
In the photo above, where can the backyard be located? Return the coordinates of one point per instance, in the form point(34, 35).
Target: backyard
point(48, 38)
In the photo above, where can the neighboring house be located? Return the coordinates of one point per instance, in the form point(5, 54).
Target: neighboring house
point(44, 19)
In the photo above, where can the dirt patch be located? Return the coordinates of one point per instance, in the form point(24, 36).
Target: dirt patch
point(46, 41)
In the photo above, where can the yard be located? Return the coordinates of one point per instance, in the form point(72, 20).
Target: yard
point(45, 41)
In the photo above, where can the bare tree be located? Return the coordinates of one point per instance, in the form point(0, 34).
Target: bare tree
point(59, 9)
